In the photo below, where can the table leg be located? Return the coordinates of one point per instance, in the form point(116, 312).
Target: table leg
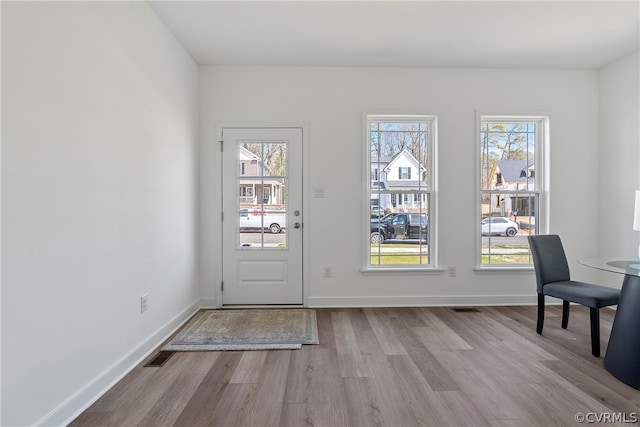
point(623, 351)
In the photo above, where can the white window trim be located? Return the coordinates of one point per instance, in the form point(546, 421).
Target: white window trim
point(542, 158)
point(432, 146)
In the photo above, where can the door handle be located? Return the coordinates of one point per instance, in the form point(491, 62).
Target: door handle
point(297, 225)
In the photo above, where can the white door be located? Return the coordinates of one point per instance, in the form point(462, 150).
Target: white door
point(262, 216)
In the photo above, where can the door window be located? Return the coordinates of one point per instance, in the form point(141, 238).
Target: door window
point(262, 220)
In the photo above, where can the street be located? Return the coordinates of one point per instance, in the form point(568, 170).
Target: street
point(255, 237)
point(518, 240)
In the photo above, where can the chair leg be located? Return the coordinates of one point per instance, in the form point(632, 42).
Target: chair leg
point(595, 331)
point(565, 314)
point(540, 313)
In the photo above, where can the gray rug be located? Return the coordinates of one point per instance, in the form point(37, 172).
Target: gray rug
point(263, 329)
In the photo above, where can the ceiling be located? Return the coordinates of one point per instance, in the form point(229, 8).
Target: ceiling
point(460, 34)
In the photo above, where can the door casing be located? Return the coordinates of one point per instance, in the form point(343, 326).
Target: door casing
point(218, 293)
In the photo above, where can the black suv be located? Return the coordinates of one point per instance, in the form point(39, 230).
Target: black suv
point(400, 226)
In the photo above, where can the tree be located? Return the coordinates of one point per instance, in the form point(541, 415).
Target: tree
point(390, 138)
point(502, 141)
point(507, 140)
point(273, 157)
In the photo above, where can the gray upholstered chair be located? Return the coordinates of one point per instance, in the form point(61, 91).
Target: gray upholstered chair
point(553, 279)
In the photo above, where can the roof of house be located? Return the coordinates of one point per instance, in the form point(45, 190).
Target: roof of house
point(405, 152)
point(245, 154)
point(382, 159)
point(514, 170)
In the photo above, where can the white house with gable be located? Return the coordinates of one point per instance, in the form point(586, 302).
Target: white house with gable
point(395, 182)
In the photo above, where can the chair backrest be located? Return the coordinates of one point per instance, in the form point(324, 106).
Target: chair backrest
point(549, 259)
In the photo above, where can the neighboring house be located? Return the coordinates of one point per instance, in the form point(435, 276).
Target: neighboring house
point(395, 181)
point(256, 186)
point(511, 176)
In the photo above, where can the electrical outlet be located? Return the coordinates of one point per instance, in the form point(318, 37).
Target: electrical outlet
point(144, 303)
point(452, 271)
point(326, 271)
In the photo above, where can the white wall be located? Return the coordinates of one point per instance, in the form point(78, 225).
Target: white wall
point(331, 101)
point(619, 156)
point(99, 197)
point(100, 194)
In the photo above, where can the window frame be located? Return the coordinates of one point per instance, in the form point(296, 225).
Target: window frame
point(541, 178)
point(431, 194)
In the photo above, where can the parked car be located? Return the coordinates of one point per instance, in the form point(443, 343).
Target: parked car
point(275, 222)
point(376, 212)
point(496, 226)
point(400, 226)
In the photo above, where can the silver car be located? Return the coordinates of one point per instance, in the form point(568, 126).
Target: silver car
point(495, 226)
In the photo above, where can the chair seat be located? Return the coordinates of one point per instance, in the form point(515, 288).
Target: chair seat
point(595, 296)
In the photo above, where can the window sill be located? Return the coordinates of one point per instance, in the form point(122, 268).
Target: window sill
point(504, 269)
point(401, 270)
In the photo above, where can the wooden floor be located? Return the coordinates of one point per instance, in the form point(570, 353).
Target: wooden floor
point(388, 367)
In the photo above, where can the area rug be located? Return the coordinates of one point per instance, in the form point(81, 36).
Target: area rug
point(264, 329)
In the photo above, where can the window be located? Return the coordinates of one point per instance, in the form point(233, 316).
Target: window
point(404, 173)
point(246, 193)
point(512, 193)
point(400, 149)
point(374, 174)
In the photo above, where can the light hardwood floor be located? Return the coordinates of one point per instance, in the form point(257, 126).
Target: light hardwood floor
point(388, 367)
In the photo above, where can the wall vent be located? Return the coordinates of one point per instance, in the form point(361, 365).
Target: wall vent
point(466, 310)
point(160, 359)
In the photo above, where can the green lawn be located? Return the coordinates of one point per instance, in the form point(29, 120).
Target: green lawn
point(507, 259)
point(521, 255)
point(413, 258)
point(398, 257)
point(395, 259)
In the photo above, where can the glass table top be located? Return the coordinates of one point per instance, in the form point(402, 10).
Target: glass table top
point(630, 267)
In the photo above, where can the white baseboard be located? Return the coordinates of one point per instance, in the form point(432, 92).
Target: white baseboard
point(208, 303)
point(68, 410)
point(423, 301)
